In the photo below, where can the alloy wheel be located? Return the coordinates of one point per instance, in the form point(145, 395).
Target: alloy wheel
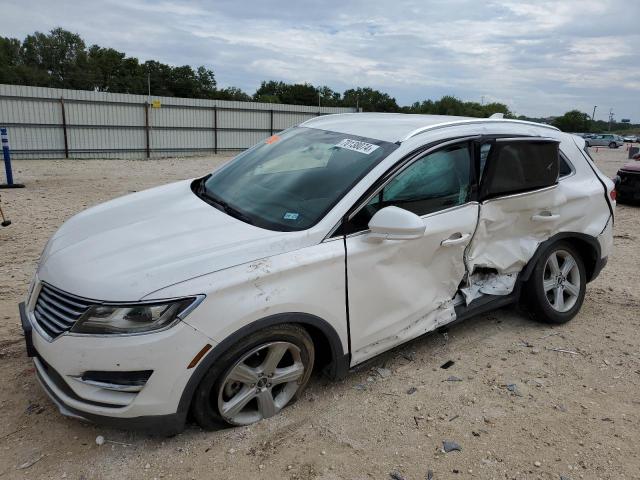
point(261, 383)
point(561, 280)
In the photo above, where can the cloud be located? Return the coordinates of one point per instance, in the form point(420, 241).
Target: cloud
point(541, 57)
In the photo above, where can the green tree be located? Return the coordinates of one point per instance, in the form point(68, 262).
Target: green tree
point(232, 93)
point(61, 54)
point(370, 100)
point(280, 92)
point(573, 121)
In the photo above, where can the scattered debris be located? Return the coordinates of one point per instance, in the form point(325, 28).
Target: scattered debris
point(449, 446)
point(410, 356)
point(412, 390)
point(99, 440)
point(562, 350)
point(360, 386)
point(383, 372)
point(475, 434)
point(513, 388)
point(537, 463)
point(34, 408)
point(453, 378)
point(429, 475)
point(454, 417)
point(549, 335)
point(447, 364)
point(524, 343)
point(396, 476)
point(31, 462)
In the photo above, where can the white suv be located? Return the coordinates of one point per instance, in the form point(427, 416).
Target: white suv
point(319, 248)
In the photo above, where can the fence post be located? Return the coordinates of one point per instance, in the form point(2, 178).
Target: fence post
point(215, 129)
point(146, 129)
point(6, 153)
point(271, 121)
point(64, 128)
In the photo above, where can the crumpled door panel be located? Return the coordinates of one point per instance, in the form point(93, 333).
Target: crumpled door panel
point(400, 289)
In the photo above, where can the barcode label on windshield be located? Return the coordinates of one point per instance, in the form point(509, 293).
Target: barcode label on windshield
point(358, 146)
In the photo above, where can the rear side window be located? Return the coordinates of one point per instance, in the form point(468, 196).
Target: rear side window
point(520, 166)
point(564, 167)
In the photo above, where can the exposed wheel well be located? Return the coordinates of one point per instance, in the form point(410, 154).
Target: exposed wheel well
point(329, 353)
point(587, 246)
point(323, 352)
point(588, 253)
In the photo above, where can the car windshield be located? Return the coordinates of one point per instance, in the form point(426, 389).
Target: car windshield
point(291, 180)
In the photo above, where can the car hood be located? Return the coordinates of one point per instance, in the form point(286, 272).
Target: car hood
point(126, 248)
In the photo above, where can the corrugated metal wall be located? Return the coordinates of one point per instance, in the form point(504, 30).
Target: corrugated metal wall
point(117, 125)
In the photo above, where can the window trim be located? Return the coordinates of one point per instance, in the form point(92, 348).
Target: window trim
point(482, 194)
point(401, 165)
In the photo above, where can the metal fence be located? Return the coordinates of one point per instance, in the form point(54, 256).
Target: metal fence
point(57, 123)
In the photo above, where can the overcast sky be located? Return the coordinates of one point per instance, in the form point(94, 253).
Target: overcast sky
point(539, 57)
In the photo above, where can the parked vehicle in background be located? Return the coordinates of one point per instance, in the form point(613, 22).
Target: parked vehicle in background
point(317, 249)
point(605, 140)
point(628, 182)
point(630, 138)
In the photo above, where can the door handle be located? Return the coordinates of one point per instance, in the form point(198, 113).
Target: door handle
point(545, 217)
point(455, 239)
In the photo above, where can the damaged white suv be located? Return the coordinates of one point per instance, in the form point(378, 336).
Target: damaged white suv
point(318, 248)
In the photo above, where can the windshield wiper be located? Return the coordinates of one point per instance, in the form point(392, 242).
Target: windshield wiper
point(221, 204)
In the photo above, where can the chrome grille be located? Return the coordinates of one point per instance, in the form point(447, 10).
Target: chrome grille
point(57, 311)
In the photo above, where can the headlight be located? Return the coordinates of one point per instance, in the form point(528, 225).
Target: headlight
point(135, 318)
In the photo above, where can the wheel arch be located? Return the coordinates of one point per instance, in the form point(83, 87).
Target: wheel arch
point(586, 245)
point(328, 346)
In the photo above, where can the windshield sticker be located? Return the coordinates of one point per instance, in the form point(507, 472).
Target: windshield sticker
point(358, 146)
point(272, 139)
point(291, 216)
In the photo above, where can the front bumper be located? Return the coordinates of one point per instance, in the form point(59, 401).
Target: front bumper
point(61, 363)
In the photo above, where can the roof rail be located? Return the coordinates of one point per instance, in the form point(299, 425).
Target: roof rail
point(437, 126)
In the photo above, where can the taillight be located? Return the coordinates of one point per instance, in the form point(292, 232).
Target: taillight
point(613, 194)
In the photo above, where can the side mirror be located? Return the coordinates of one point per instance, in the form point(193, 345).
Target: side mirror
point(393, 223)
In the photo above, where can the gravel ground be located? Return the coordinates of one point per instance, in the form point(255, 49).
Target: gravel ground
point(570, 415)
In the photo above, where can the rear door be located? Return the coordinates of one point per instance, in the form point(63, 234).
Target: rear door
point(521, 204)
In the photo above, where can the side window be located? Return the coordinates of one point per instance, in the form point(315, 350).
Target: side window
point(485, 148)
point(437, 181)
point(564, 167)
point(520, 166)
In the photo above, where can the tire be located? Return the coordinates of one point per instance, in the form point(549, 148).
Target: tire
point(548, 297)
point(613, 145)
point(241, 388)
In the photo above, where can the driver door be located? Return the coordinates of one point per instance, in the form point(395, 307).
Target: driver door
point(400, 289)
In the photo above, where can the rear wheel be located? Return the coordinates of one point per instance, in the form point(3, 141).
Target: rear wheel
point(555, 291)
point(256, 378)
point(613, 145)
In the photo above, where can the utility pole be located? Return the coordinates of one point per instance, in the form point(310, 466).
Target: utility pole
point(148, 86)
point(610, 117)
point(482, 100)
point(593, 116)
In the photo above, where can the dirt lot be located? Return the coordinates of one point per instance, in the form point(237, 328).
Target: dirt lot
point(572, 415)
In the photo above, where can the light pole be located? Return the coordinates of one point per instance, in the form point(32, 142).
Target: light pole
point(593, 116)
point(610, 117)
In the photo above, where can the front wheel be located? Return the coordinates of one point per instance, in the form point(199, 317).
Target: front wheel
point(555, 291)
point(613, 145)
point(256, 378)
